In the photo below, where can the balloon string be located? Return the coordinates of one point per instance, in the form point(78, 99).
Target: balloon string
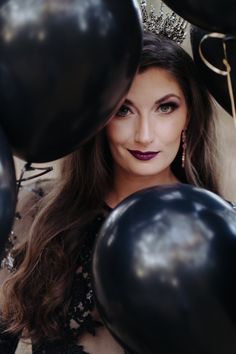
point(28, 167)
point(219, 71)
point(229, 83)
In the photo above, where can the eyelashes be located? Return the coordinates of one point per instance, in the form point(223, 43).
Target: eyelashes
point(164, 108)
point(123, 111)
point(167, 107)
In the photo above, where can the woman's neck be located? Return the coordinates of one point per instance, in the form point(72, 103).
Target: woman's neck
point(125, 185)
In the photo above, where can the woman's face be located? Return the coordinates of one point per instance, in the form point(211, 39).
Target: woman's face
point(145, 134)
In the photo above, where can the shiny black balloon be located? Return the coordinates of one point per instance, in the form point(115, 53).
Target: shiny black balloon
point(164, 270)
point(213, 52)
point(7, 190)
point(213, 15)
point(64, 67)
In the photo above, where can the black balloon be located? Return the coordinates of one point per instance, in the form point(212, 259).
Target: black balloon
point(213, 15)
point(212, 49)
point(64, 67)
point(164, 270)
point(7, 190)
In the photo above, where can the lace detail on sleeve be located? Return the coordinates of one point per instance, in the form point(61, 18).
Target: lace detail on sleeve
point(58, 348)
point(79, 319)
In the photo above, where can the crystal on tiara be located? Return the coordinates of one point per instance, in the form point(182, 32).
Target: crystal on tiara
point(169, 25)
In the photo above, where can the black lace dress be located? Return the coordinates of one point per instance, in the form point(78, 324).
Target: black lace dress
point(79, 319)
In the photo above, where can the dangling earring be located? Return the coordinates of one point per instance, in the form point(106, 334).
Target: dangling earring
point(184, 146)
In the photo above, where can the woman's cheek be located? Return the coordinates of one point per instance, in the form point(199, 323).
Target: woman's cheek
point(170, 133)
point(118, 131)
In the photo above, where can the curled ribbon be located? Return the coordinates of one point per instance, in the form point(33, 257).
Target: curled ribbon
point(28, 167)
point(226, 72)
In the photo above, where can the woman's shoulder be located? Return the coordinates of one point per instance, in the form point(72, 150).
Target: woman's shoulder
point(30, 197)
point(30, 193)
point(29, 201)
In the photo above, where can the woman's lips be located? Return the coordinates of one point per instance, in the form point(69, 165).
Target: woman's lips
point(144, 156)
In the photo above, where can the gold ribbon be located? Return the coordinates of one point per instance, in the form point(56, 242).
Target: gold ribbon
point(226, 72)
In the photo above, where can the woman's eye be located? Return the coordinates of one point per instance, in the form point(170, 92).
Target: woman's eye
point(123, 111)
point(167, 107)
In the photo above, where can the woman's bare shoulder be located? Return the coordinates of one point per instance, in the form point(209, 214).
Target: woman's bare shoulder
point(30, 197)
point(28, 205)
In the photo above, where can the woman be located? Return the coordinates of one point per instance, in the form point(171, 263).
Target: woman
point(162, 134)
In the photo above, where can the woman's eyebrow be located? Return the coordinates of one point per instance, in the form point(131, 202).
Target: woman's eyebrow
point(128, 102)
point(160, 100)
point(166, 97)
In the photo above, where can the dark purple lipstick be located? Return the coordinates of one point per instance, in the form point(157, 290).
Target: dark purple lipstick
point(143, 156)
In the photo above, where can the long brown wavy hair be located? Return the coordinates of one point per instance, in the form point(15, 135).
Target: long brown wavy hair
point(37, 295)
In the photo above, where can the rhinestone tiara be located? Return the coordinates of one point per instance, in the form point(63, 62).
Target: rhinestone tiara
point(169, 25)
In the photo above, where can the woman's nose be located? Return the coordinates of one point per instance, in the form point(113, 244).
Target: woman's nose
point(144, 131)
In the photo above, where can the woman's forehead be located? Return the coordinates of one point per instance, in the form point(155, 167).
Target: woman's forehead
point(154, 82)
